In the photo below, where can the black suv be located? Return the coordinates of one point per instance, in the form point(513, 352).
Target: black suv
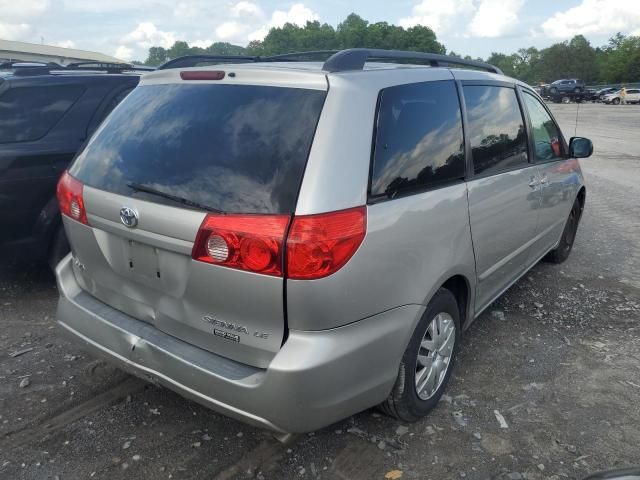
point(571, 85)
point(46, 113)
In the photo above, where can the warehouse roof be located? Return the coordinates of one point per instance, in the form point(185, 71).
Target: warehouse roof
point(34, 48)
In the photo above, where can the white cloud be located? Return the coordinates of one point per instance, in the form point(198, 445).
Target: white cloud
point(229, 30)
point(111, 5)
point(15, 31)
point(146, 35)
point(246, 8)
point(65, 44)
point(22, 9)
point(599, 17)
point(438, 15)
point(202, 43)
point(123, 53)
point(185, 10)
point(298, 14)
point(495, 18)
point(17, 17)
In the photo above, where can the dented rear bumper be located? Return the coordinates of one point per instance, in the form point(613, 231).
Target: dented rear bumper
point(316, 379)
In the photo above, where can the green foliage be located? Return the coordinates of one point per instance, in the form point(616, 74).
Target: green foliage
point(617, 62)
point(353, 32)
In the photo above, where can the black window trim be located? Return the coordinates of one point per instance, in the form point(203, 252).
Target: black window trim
point(471, 175)
point(375, 199)
point(93, 124)
point(532, 156)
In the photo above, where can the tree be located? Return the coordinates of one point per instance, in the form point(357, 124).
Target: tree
point(157, 56)
point(616, 62)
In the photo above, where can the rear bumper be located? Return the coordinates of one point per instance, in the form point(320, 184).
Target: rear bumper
point(316, 379)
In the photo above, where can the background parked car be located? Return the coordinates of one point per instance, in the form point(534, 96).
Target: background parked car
point(631, 95)
point(605, 91)
point(46, 114)
point(572, 85)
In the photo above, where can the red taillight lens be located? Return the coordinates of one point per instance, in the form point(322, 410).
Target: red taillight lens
point(319, 245)
point(69, 193)
point(246, 242)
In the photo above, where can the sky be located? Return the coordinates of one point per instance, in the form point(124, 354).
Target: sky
point(127, 28)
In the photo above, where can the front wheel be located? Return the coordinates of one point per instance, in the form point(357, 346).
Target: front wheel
point(616, 101)
point(427, 362)
point(562, 251)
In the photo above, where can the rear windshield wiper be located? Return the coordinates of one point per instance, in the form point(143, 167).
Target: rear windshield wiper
point(139, 187)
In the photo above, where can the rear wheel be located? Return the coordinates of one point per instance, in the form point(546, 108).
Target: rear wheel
point(566, 99)
point(562, 251)
point(427, 362)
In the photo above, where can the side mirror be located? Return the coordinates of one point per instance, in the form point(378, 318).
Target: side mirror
point(580, 147)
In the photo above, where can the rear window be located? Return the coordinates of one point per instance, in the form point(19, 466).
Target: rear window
point(28, 113)
point(234, 148)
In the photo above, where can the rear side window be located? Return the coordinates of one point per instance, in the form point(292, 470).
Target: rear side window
point(28, 113)
point(234, 148)
point(496, 128)
point(419, 141)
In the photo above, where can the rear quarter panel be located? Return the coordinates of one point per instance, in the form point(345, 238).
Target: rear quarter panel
point(413, 245)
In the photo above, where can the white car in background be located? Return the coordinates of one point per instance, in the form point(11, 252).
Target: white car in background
point(615, 98)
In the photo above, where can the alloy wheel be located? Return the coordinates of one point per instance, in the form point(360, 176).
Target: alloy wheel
point(434, 355)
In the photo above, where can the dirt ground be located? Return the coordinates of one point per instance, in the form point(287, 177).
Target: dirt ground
point(547, 385)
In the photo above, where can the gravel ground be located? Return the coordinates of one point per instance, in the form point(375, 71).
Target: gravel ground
point(547, 385)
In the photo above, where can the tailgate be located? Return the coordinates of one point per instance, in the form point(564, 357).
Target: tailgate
point(148, 273)
point(172, 151)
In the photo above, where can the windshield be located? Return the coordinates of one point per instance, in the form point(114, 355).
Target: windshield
point(234, 148)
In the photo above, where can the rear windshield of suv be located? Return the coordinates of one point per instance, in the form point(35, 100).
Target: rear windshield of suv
point(234, 148)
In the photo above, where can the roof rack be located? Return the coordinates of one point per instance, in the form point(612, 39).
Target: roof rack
point(109, 67)
point(25, 69)
point(339, 61)
point(13, 64)
point(355, 58)
point(194, 60)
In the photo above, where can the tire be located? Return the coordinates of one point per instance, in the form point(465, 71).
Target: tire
point(616, 101)
point(59, 247)
point(553, 90)
point(562, 251)
point(404, 402)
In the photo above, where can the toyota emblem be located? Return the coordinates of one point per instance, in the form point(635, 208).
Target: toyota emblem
point(128, 217)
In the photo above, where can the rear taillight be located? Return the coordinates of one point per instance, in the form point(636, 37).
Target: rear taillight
point(319, 245)
point(69, 193)
point(246, 242)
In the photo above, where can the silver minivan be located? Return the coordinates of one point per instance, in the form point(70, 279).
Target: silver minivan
point(291, 242)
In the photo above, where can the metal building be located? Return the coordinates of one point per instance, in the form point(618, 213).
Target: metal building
point(33, 52)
